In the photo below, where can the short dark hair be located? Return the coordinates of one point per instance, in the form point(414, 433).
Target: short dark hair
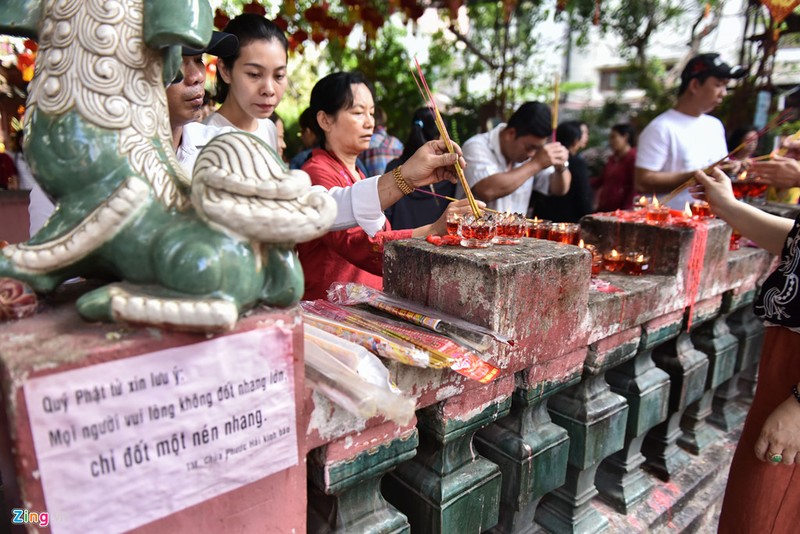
point(568, 133)
point(307, 120)
point(248, 27)
point(332, 94)
point(626, 130)
point(532, 118)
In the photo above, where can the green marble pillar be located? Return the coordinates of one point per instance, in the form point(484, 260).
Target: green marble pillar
point(727, 412)
point(532, 454)
point(687, 368)
point(344, 496)
point(716, 341)
point(595, 419)
point(620, 479)
point(448, 487)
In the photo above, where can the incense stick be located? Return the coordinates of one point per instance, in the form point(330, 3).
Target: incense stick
point(427, 95)
point(555, 105)
point(451, 199)
point(779, 119)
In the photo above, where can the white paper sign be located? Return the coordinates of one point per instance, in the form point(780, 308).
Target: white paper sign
point(123, 443)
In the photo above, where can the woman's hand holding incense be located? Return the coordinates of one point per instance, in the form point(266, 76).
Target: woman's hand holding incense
point(715, 188)
point(432, 163)
point(780, 171)
point(768, 230)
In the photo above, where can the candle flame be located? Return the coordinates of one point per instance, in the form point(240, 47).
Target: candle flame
point(536, 219)
point(640, 258)
point(643, 200)
point(742, 175)
point(655, 201)
point(614, 253)
point(580, 244)
point(687, 211)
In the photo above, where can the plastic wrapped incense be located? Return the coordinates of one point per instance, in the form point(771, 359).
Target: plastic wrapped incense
point(478, 337)
point(353, 378)
point(392, 349)
point(443, 351)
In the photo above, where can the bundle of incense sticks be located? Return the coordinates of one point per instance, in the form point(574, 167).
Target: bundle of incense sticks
point(427, 96)
point(778, 120)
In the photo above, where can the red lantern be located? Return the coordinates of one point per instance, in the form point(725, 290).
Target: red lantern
point(281, 23)
point(255, 8)
point(300, 36)
point(31, 45)
point(317, 37)
point(220, 19)
point(314, 14)
point(780, 9)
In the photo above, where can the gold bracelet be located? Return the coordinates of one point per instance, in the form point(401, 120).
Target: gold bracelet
point(401, 182)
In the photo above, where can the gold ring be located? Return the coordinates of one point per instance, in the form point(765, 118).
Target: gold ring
point(776, 458)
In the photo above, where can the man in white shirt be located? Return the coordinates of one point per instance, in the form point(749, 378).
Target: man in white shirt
point(508, 162)
point(685, 139)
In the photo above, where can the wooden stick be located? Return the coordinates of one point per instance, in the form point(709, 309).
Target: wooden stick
point(426, 94)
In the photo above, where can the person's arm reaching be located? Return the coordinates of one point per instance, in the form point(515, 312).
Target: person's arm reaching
point(768, 230)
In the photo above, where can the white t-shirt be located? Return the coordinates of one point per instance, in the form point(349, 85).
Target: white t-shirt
point(484, 158)
point(266, 130)
point(676, 142)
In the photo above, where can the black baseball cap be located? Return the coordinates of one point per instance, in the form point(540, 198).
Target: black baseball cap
point(221, 44)
point(705, 65)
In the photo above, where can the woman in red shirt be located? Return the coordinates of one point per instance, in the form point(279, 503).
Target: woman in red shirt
point(616, 182)
point(344, 108)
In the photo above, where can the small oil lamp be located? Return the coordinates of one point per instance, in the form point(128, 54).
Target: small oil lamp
point(613, 261)
point(597, 258)
point(657, 214)
point(636, 263)
point(701, 210)
point(538, 228)
point(640, 204)
point(565, 233)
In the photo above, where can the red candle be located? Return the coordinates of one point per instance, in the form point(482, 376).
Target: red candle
point(636, 263)
point(538, 228)
point(657, 214)
point(613, 261)
point(701, 210)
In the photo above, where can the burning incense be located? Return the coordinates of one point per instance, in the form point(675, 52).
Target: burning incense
point(779, 119)
point(427, 95)
point(555, 104)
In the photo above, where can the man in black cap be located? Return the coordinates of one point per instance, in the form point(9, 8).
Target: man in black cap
point(505, 164)
point(185, 99)
point(684, 138)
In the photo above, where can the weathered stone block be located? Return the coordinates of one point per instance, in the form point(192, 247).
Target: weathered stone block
point(669, 247)
point(535, 292)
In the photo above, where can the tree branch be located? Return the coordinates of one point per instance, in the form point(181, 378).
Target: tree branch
point(472, 48)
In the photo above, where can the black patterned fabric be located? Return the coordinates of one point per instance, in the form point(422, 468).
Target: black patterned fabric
point(779, 299)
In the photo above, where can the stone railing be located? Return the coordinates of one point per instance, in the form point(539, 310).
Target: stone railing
point(610, 412)
point(605, 397)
